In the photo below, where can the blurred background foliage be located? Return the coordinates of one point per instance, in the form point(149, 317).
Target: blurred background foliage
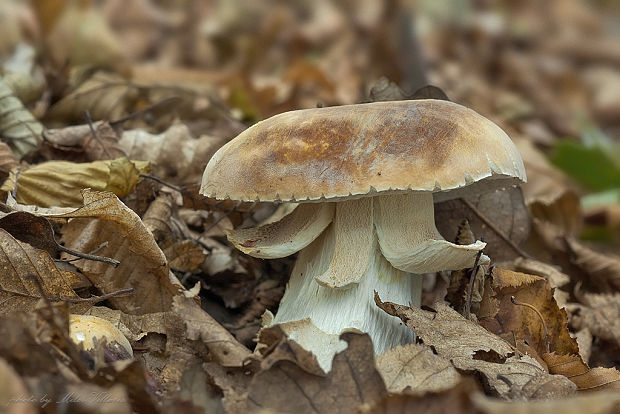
point(547, 71)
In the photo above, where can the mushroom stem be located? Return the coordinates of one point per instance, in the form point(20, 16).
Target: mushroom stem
point(334, 310)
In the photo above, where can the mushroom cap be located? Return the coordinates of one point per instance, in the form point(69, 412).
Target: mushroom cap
point(361, 150)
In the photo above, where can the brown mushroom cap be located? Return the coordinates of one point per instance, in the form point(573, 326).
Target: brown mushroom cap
point(360, 150)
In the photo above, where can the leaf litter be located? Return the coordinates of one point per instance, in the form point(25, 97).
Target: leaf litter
point(82, 114)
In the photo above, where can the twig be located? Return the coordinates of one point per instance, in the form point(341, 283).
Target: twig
point(96, 299)
point(94, 133)
point(495, 229)
point(542, 320)
point(87, 256)
point(470, 291)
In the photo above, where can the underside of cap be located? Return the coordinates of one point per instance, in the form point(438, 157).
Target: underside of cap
point(354, 151)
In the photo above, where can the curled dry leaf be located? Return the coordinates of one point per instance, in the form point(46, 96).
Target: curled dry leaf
point(470, 347)
point(18, 127)
point(352, 382)
point(175, 154)
point(18, 291)
point(104, 95)
point(586, 378)
point(184, 256)
point(600, 314)
point(603, 268)
point(104, 218)
point(58, 183)
point(414, 367)
point(93, 142)
point(500, 315)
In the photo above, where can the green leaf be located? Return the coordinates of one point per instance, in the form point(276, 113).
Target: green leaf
point(591, 167)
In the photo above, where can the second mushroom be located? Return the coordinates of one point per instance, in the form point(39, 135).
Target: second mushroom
point(366, 177)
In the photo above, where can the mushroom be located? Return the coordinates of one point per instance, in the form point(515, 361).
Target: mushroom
point(90, 331)
point(366, 177)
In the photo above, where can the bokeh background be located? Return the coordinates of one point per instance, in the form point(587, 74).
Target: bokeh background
point(547, 71)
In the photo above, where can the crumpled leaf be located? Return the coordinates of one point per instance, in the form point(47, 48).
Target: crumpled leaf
point(586, 378)
point(470, 347)
point(184, 256)
point(98, 141)
point(104, 218)
point(504, 209)
point(18, 127)
point(174, 154)
point(105, 95)
point(414, 367)
point(352, 382)
point(599, 313)
point(58, 183)
point(595, 403)
point(200, 326)
point(604, 268)
point(20, 293)
point(500, 315)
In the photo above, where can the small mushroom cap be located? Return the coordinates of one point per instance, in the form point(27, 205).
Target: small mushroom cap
point(85, 328)
point(360, 150)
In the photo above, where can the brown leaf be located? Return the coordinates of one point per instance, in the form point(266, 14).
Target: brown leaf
point(603, 268)
point(352, 382)
point(501, 316)
point(595, 403)
point(184, 256)
point(200, 326)
point(105, 95)
point(104, 218)
point(505, 211)
point(58, 183)
point(21, 261)
point(600, 314)
point(471, 347)
point(8, 161)
point(414, 367)
point(586, 379)
point(454, 400)
point(82, 143)
point(18, 127)
point(175, 154)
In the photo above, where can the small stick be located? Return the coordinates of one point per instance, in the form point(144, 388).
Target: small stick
point(470, 291)
point(495, 229)
point(87, 256)
point(94, 133)
point(542, 320)
point(96, 299)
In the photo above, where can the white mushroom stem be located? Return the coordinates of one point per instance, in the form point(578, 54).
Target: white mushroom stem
point(334, 310)
point(409, 239)
point(373, 243)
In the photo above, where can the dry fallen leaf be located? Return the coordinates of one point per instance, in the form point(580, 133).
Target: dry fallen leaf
point(471, 347)
point(353, 382)
point(500, 315)
point(503, 210)
point(104, 218)
point(82, 143)
point(18, 128)
point(600, 314)
point(595, 403)
point(58, 183)
point(602, 268)
point(586, 379)
point(415, 368)
point(23, 265)
point(175, 155)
